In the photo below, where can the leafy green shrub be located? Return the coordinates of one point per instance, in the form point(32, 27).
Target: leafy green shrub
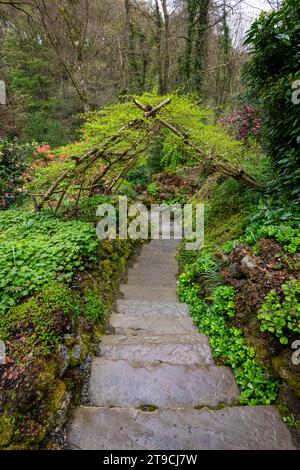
point(155, 154)
point(204, 267)
point(36, 249)
point(271, 71)
point(228, 343)
point(139, 175)
point(223, 299)
point(286, 235)
point(40, 322)
point(126, 189)
point(279, 315)
point(94, 308)
point(173, 157)
point(152, 189)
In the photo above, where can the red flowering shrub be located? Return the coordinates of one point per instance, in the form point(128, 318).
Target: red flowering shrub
point(243, 124)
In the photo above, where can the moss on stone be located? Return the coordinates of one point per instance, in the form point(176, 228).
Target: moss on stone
point(6, 430)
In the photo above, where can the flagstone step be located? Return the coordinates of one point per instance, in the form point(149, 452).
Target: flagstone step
point(139, 307)
point(137, 292)
point(156, 266)
point(132, 384)
point(233, 428)
point(174, 349)
point(152, 280)
point(151, 324)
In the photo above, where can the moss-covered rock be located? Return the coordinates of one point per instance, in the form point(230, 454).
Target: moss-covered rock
point(7, 426)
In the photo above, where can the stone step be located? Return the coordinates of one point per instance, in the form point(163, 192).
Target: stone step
point(157, 260)
point(168, 246)
point(174, 349)
point(154, 266)
point(139, 269)
point(136, 292)
point(234, 428)
point(138, 307)
point(133, 384)
point(152, 324)
point(159, 249)
point(153, 251)
point(167, 280)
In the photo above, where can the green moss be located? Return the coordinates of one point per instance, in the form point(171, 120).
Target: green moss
point(225, 229)
point(107, 247)
point(6, 430)
point(106, 266)
point(41, 319)
point(287, 371)
point(57, 396)
point(94, 308)
point(149, 408)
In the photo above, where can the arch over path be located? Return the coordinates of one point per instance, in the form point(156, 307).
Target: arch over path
point(150, 125)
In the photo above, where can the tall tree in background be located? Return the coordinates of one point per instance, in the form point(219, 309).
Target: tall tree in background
point(223, 70)
point(196, 44)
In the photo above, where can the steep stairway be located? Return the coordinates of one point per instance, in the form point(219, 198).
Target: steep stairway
point(155, 385)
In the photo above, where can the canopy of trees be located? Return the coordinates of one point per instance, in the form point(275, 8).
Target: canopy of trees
point(63, 57)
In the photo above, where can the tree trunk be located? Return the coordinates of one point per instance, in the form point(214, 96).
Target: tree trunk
point(200, 50)
point(159, 42)
point(166, 55)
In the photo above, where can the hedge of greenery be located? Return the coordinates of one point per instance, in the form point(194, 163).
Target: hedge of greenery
point(273, 75)
point(228, 343)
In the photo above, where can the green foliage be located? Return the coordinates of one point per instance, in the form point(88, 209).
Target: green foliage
point(152, 189)
point(31, 79)
point(271, 72)
point(155, 155)
point(126, 189)
point(281, 313)
point(139, 175)
point(227, 342)
point(14, 159)
point(43, 176)
point(203, 268)
point(186, 113)
point(172, 157)
point(286, 235)
point(94, 308)
point(40, 321)
point(36, 249)
point(223, 299)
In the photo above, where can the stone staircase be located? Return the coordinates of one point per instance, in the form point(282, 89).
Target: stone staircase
point(155, 385)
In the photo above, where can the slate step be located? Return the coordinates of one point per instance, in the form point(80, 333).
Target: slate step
point(138, 269)
point(235, 428)
point(158, 250)
point(136, 292)
point(167, 246)
point(157, 259)
point(133, 384)
point(174, 349)
point(155, 266)
point(138, 307)
point(152, 280)
point(151, 324)
point(158, 254)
